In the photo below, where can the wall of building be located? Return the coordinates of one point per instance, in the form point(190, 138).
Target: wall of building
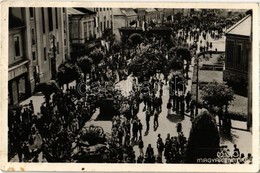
point(13, 34)
point(81, 28)
point(37, 45)
point(168, 12)
point(119, 21)
point(18, 87)
point(151, 15)
point(105, 20)
point(130, 19)
point(237, 55)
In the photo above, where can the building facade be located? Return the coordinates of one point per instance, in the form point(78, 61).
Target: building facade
point(104, 20)
point(123, 18)
point(238, 51)
point(81, 25)
point(38, 44)
point(238, 61)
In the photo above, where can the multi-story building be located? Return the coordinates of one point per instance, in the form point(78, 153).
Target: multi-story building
point(168, 13)
point(238, 51)
point(38, 43)
point(141, 12)
point(160, 15)
point(81, 24)
point(104, 20)
point(238, 60)
point(124, 17)
point(151, 14)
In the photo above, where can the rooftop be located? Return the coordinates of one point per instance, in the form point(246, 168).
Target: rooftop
point(80, 11)
point(130, 12)
point(117, 12)
point(15, 22)
point(124, 12)
point(243, 27)
point(150, 10)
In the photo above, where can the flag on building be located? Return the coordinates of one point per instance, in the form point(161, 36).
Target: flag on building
point(143, 27)
point(133, 22)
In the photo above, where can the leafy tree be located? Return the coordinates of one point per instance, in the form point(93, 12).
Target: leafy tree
point(175, 63)
point(116, 47)
point(97, 56)
point(136, 39)
point(203, 140)
point(47, 88)
point(78, 50)
point(219, 95)
point(107, 34)
point(85, 64)
point(184, 53)
point(67, 73)
point(177, 55)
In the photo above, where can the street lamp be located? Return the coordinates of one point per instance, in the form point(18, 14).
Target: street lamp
point(197, 85)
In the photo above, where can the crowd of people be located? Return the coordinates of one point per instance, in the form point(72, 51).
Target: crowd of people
point(127, 134)
point(50, 131)
point(57, 131)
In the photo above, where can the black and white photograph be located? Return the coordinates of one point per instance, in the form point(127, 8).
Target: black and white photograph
point(123, 85)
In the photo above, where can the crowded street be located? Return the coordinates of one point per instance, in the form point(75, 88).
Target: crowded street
point(159, 95)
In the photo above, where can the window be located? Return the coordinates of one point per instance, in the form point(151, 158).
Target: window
point(89, 30)
point(239, 54)
point(31, 12)
point(33, 56)
point(230, 47)
point(33, 37)
point(43, 21)
point(101, 26)
point(56, 16)
point(45, 54)
point(50, 19)
point(17, 45)
point(108, 24)
point(65, 42)
point(64, 24)
point(100, 9)
point(104, 25)
point(248, 57)
point(63, 10)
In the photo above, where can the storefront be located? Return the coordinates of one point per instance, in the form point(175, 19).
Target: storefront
point(18, 83)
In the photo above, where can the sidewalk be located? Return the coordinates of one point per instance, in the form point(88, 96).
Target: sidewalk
point(38, 98)
point(239, 134)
